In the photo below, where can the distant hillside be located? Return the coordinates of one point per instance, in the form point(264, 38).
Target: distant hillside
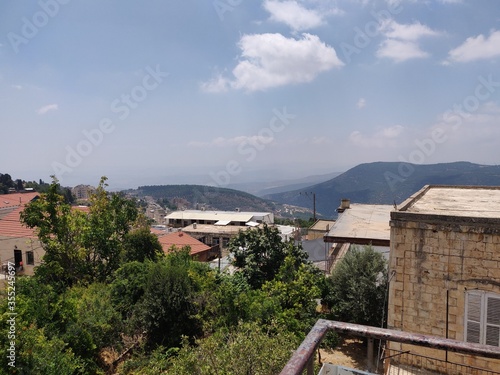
point(386, 182)
point(262, 188)
point(213, 198)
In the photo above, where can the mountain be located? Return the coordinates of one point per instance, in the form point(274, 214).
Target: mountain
point(386, 183)
point(214, 198)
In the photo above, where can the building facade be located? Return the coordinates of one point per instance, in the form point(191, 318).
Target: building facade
point(445, 271)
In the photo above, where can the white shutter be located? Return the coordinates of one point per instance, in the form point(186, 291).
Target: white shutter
point(473, 318)
point(493, 321)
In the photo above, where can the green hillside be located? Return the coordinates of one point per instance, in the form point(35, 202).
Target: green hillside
point(388, 182)
point(215, 198)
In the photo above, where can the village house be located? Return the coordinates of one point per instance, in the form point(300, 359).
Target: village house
point(445, 273)
point(18, 244)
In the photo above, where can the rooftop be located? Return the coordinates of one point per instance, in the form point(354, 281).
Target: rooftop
point(10, 226)
point(181, 239)
point(322, 225)
point(215, 215)
point(362, 224)
point(16, 199)
point(464, 201)
point(215, 229)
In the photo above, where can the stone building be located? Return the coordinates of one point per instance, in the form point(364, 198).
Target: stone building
point(445, 272)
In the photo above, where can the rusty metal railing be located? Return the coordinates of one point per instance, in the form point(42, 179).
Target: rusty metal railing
point(303, 357)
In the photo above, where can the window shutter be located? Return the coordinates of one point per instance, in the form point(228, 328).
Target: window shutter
point(473, 331)
point(493, 321)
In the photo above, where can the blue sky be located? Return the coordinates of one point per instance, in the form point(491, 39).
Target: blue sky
point(226, 91)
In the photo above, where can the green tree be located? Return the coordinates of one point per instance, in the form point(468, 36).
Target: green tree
point(246, 350)
point(356, 290)
point(260, 252)
point(140, 244)
point(80, 247)
point(5, 183)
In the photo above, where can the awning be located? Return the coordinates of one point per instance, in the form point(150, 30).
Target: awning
point(222, 222)
point(252, 224)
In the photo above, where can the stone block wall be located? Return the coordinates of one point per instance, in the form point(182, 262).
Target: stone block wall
point(434, 262)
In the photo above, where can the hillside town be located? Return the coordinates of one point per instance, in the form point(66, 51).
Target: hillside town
point(440, 248)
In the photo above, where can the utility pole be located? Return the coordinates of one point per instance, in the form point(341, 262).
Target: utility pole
point(313, 195)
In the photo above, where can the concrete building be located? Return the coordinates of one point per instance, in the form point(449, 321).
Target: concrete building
point(83, 192)
point(445, 272)
point(180, 219)
point(359, 225)
point(319, 228)
point(212, 235)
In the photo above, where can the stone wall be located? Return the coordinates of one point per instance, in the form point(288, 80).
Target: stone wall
point(434, 261)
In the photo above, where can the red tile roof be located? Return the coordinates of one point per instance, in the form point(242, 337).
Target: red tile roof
point(181, 239)
point(16, 199)
point(10, 226)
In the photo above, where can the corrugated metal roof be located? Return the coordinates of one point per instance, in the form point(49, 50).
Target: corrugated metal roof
point(363, 221)
point(214, 215)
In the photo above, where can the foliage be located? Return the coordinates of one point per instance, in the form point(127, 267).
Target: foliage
point(5, 183)
point(260, 252)
point(246, 350)
point(79, 247)
point(356, 290)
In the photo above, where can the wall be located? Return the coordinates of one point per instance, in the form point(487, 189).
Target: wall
point(435, 260)
point(7, 245)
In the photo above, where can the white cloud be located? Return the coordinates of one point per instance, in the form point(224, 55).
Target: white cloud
point(402, 40)
point(477, 48)
point(400, 51)
point(386, 137)
point(361, 103)
point(51, 107)
point(272, 60)
point(293, 14)
point(17, 87)
point(412, 32)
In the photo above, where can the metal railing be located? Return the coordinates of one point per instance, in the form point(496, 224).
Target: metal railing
point(303, 357)
point(404, 362)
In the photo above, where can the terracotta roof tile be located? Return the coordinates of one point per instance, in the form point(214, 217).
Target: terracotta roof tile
point(10, 226)
point(180, 239)
point(16, 199)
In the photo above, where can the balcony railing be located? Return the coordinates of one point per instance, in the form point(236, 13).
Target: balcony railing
point(303, 358)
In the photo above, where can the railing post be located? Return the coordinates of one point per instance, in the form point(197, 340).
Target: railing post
point(370, 355)
point(310, 366)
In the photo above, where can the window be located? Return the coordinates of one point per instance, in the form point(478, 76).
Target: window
point(482, 318)
point(30, 258)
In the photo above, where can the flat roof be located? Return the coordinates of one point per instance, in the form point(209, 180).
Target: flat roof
point(215, 215)
point(215, 229)
point(362, 224)
point(322, 225)
point(463, 201)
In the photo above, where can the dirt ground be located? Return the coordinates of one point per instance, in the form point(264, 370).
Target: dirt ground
point(351, 353)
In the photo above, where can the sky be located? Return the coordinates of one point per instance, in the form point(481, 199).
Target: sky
point(226, 91)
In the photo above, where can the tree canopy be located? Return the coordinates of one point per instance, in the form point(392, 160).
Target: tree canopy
point(357, 288)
